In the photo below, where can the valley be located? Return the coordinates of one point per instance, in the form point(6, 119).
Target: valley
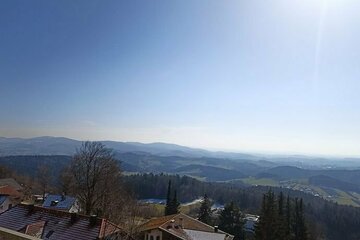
point(337, 183)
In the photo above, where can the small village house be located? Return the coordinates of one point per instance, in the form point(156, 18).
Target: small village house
point(44, 223)
point(181, 227)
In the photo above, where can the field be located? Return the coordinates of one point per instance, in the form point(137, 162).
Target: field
point(331, 194)
point(261, 181)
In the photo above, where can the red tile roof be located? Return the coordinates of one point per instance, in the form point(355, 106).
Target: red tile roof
point(157, 222)
point(181, 221)
point(8, 190)
point(58, 224)
point(11, 182)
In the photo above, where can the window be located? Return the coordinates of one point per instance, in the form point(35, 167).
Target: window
point(151, 237)
point(157, 237)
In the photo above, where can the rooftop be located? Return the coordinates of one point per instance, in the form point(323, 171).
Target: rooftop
point(185, 227)
point(11, 182)
point(53, 224)
point(60, 202)
point(10, 191)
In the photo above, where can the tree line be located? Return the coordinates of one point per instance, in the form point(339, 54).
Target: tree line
point(328, 220)
point(280, 220)
point(231, 219)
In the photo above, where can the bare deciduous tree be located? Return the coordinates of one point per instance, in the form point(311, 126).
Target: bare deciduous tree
point(44, 178)
point(66, 182)
point(96, 176)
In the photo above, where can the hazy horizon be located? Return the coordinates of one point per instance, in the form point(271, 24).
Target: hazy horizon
point(240, 151)
point(244, 76)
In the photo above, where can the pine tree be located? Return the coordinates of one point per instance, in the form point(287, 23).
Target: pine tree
point(277, 222)
point(260, 226)
point(205, 214)
point(267, 227)
point(281, 204)
point(299, 226)
point(281, 220)
point(172, 204)
point(232, 221)
point(288, 219)
point(303, 228)
point(168, 200)
point(175, 205)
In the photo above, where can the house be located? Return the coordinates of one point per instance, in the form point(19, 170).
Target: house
point(10, 191)
point(45, 223)
point(250, 222)
point(5, 203)
point(9, 187)
point(61, 202)
point(12, 183)
point(9, 197)
point(181, 227)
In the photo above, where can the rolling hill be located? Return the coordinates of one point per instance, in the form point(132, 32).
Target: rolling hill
point(339, 183)
point(66, 146)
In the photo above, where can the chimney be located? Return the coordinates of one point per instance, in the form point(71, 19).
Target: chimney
point(172, 223)
point(73, 217)
point(216, 229)
point(181, 222)
point(93, 220)
point(62, 196)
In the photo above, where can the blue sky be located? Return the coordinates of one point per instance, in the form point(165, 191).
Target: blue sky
point(269, 76)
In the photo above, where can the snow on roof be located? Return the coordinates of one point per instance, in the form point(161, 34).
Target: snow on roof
point(59, 202)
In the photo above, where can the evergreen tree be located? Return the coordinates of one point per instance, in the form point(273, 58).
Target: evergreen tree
point(268, 227)
point(168, 207)
point(231, 220)
point(260, 226)
point(205, 213)
point(172, 204)
point(175, 205)
point(281, 220)
point(299, 226)
point(283, 223)
point(288, 219)
point(281, 204)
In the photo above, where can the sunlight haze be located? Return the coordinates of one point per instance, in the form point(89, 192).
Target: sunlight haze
point(254, 76)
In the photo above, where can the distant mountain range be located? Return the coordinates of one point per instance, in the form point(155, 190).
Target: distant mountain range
point(67, 146)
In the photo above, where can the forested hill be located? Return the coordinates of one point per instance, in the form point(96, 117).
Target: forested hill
point(226, 169)
point(66, 146)
point(324, 216)
point(29, 165)
point(326, 220)
point(210, 169)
